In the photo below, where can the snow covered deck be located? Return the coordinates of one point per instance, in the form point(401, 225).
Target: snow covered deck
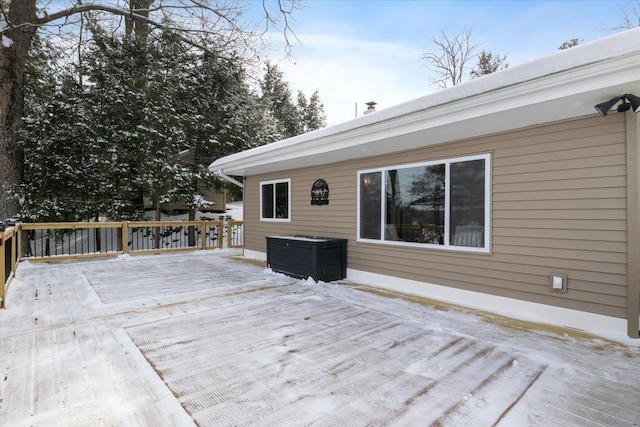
point(200, 339)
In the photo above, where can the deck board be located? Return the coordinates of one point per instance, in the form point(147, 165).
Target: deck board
point(200, 339)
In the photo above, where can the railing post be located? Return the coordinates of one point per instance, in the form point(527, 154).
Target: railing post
point(14, 251)
point(229, 233)
point(125, 237)
point(19, 243)
point(2, 275)
point(156, 237)
point(203, 235)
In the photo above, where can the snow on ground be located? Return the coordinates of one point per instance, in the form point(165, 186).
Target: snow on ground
point(206, 339)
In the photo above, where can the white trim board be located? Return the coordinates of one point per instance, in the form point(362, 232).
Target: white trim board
point(260, 256)
point(605, 326)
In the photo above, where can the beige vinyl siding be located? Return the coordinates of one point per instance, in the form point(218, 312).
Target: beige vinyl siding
point(558, 205)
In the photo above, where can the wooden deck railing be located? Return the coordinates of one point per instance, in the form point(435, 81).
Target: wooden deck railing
point(9, 260)
point(76, 240)
point(235, 234)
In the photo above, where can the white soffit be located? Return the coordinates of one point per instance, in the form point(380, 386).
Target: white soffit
point(561, 86)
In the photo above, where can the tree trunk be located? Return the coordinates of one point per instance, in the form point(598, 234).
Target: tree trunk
point(194, 184)
point(13, 54)
point(136, 26)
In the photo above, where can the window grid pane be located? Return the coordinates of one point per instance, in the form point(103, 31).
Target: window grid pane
point(415, 210)
point(282, 200)
point(370, 205)
point(467, 221)
point(267, 200)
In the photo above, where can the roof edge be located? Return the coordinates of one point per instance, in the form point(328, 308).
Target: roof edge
point(597, 51)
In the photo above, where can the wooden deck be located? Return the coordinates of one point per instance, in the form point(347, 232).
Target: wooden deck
point(200, 339)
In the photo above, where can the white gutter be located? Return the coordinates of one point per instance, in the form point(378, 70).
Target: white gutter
point(228, 178)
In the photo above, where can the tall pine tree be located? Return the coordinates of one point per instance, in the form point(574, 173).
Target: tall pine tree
point(290, 119)
point(103, 138)
point(276, 97)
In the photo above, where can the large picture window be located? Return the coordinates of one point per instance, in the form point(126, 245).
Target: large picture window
point(440, 204)
point(275, 200)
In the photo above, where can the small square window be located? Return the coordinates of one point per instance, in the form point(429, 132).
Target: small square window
point(275, 200)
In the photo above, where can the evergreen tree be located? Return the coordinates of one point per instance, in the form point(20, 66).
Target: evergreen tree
point(209, 95)
point(488, 63)
point(56, 142)
point(132, 110)
point(100, 140)
point(100, 149)
point(311, 113)
point(569, 43)
point(314, 117)
point(301, 106)
point(228, 26)
point(276, 96)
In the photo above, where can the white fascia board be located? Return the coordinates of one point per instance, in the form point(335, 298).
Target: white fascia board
point(564, 85)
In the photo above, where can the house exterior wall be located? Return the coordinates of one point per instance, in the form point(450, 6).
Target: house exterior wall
point(218, 197)
point(558, 205)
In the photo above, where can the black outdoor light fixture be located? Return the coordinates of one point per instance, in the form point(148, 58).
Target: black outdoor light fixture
point(630, 101)
point(634, 101)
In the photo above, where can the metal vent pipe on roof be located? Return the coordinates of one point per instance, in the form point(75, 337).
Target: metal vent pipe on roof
point(371, 107)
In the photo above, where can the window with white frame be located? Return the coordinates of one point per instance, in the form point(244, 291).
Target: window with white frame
point(275, 200)
point(436, 204)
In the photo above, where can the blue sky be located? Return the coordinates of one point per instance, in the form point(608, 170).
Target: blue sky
point(359, 51)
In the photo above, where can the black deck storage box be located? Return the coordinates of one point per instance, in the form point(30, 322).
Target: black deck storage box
point(322, 258)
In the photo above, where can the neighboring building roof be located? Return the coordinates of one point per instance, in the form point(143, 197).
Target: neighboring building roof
point(564, 85)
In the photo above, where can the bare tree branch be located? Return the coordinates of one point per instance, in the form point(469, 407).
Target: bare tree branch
point(203, 25)
point(630, 17)
point(451, 56)
point(285, 12)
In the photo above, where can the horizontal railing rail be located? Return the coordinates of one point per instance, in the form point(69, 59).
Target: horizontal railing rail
point(77, 240)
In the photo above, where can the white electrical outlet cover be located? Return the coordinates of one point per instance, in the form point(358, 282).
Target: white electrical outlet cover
point(558, 282)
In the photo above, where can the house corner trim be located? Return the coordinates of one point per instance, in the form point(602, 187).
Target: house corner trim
point(633, 224)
